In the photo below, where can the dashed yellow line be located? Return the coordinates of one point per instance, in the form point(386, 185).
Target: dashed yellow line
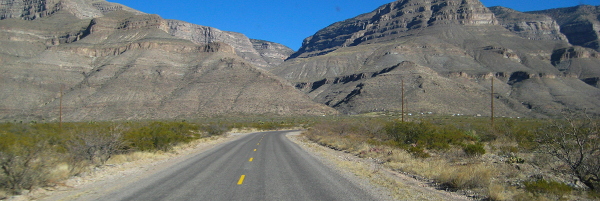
point(241, 181)
point(251, 159)
point(257, 143)
point(254, 149)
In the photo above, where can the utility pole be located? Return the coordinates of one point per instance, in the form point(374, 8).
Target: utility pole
point(402, 100)
point(492, 102)
point(60, 109)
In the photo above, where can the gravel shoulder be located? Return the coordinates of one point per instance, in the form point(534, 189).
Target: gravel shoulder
point(371, 175)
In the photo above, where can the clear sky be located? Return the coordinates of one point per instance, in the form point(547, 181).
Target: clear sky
point(289, 22)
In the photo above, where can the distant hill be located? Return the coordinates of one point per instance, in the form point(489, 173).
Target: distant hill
point(447, 52)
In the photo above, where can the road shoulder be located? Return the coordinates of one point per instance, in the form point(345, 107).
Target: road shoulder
point(372, 176)
point(114, 176)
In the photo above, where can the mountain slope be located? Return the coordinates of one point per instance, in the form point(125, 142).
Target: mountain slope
point(452, 49)
point(127, 65)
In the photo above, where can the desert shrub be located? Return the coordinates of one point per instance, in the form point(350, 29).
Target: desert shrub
point(215, 129)
point(94, 144)
point(24, 158)
point(474, 149)
point(547, 187)
point(465, 177)
point(426, 135)
point(160, 136)
point(418, 152)
point(576, 143)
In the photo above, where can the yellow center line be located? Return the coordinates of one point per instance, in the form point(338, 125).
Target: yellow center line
point(251, 159)
point(257, 143)
point(254, 149)
point(241, 179)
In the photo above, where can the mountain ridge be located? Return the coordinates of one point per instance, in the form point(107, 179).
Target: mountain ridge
point(122, 65)
point(115, 63)
point(461, 42)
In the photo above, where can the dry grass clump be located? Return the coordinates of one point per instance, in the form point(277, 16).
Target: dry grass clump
point(500, 163)
point(463, 176)
point(3, 194)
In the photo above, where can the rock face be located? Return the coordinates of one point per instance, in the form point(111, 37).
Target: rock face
point(202, 35)
point(91, 9)
point(393, 20)
point(529, 26)
point(446, 52)
point(274, 53)
point(580, 24)
point(123, 65)
point(34, 9)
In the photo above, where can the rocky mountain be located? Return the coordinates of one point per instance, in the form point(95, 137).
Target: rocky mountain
point(447, 52)
point(580, 24)
point(529, 26)
point(113, 63)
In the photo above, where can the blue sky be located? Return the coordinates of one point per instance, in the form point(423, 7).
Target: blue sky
point(289, 22)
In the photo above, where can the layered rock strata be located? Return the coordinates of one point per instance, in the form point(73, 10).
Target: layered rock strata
point(529, 26)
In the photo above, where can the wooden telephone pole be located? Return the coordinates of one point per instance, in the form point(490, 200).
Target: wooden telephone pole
point(60, 109)
point(402, 100)
point(492, 103)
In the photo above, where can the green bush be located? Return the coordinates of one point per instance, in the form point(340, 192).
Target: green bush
point(426, 134)
point(547, 187)
point(474, 149)
point(160, 136)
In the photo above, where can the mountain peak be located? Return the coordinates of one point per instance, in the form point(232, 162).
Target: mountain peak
point(82, 9)
point(393, 20)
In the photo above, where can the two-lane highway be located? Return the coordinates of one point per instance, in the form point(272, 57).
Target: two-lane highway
point(258, 166)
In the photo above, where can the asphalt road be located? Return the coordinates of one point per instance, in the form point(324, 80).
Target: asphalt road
point(259, 166)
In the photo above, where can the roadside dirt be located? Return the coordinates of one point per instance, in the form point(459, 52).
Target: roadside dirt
point(392, 185)
point(114, 176)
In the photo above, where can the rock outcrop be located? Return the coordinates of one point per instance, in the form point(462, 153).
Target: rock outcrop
point(394, 20)
point(35, 9)
point(529, 26)
point(95, 9)
point(580, 24)
point(203, 34)
point(273, 53)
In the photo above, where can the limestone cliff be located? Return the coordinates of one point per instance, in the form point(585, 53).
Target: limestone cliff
point(34, 9)
point(273, 53)
point(94, 10)
point(394, 20)
point(203, 34)
point(580, 24)
point(530, 26)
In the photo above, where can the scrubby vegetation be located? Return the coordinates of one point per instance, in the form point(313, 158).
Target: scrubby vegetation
point(518, 159)
point(40, 154)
